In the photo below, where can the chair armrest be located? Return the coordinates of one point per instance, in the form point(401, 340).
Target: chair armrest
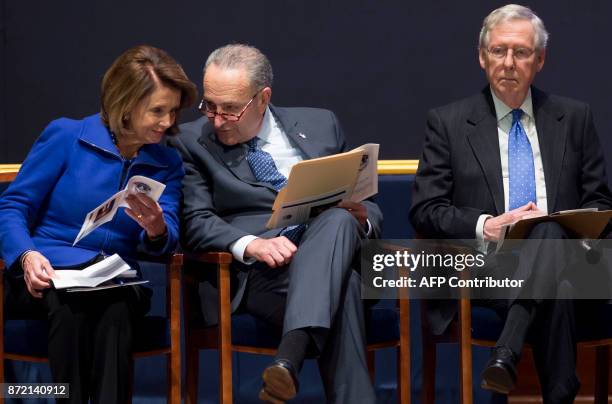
point(221, 261)
point(174, 264)
point(168, 259)
point(212, 257)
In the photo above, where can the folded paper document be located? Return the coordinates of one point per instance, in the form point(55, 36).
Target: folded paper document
point(110, 272)
point(107, 210)
point(579, 223)
point(317, 184)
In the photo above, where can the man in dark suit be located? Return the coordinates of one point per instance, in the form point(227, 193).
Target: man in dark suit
point(508, 153)
point(299, 279)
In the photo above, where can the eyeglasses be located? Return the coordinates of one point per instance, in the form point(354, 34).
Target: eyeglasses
point(500, 52)
point(210, 110)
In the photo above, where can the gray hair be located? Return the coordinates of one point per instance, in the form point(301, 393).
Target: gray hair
point(235, 56)
point(511, 12)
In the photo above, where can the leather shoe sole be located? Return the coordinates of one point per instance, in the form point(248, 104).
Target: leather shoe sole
point(498, 379)
point(279, 385)
point(264, 396)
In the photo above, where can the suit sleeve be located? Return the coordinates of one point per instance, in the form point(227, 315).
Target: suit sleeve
point(594, 181)
point(432, 213)
point(21, 203)
point(203, 229)
point(595, 190)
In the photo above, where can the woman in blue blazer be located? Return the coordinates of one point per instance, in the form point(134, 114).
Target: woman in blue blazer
point(73, 167)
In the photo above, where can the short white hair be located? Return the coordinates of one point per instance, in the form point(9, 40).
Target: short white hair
point(247, 57)
point(511, 12)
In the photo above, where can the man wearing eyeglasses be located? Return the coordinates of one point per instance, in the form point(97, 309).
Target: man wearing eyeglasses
point(298, 279)
point(509, 153)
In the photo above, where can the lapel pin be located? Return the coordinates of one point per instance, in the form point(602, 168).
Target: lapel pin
point(303, 136)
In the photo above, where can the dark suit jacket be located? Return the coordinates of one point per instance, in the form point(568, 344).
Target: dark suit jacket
point(222, 199)
point(460, 177)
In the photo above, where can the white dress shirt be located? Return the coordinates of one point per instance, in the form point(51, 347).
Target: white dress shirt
point(274, 141)
point(504, 123)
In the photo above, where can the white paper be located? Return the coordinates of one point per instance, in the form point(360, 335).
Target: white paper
point(556, 216)
point(92, 275)
point(300, 211)
point(367, 178)
point(113, 283)
point(568, 212)
point(318, 181)
point(107, 210)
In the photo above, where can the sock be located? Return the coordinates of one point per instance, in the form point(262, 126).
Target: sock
point(293, 347)
point(517, 324)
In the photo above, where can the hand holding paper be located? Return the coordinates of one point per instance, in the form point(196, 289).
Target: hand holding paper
point(37, 273)
point(357, 209)
point(101, 275)
point(586, 223)
point(107, 210)
point(317, 184)
point(147, 213)
point(494, 226)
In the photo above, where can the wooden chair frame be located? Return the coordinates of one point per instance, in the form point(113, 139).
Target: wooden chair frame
point(220, 338)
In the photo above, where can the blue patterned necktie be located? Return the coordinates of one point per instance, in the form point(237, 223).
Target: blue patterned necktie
point(264, 169)
point(521, 172)
point(263, 166)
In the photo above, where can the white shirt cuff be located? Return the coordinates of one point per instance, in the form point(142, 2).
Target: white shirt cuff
point(481, 244)
point(238, 247)
point(369, 231)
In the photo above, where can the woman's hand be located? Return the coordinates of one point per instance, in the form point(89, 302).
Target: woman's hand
point(37, 272)
point(147, 213)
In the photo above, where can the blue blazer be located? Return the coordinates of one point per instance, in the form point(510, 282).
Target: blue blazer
point(72, 168)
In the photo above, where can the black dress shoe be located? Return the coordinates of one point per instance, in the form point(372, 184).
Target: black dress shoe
point(280, 382)
point(500, 373)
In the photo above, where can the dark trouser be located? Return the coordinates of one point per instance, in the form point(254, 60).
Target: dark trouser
point(89, 338)
point(320, 291)
point(549, 322)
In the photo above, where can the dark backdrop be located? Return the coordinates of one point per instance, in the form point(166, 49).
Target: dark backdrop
point(380, 65)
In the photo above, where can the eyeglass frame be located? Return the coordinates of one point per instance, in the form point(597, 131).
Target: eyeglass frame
point(226, 115)
point(514, 55)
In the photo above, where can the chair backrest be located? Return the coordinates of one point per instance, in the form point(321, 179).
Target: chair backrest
point(8, 172)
